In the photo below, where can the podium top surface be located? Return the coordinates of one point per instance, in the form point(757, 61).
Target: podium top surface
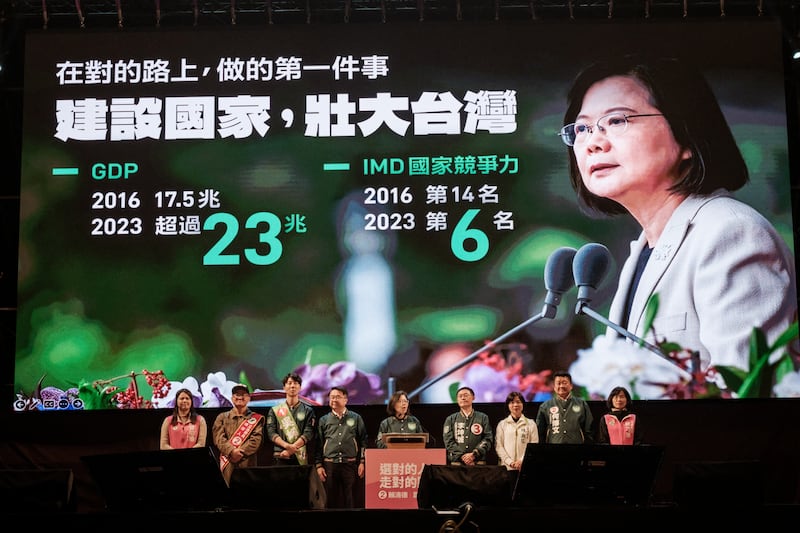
point(405, 440)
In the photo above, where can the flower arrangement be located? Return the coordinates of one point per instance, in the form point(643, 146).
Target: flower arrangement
point(493, 376)
point(612, 361)
point(215, 391)
point(99, 394)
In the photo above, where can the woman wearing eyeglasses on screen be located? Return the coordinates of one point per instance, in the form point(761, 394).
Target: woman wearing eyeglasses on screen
point(648, 138)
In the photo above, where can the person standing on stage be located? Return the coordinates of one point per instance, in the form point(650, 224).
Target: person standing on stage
point(619, 425)
point(341, 445)
point(514, 433)
point(238, 433)
point(564, 418)
point(291, 425)
point(467, 433)
point(184, 428)
point(400, 420)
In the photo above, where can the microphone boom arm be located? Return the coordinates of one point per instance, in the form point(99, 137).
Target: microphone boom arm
point(474, 355)
point(585, 309)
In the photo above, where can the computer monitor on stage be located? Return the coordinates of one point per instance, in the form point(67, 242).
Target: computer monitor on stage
point(168, 480)
point(587, 474)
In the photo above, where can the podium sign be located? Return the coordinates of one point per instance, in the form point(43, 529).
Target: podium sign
point(392, 475)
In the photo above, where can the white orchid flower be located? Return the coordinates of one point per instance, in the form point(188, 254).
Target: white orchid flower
point(612, 362)
point(169, 400)
point(217, 390)
point(789, 387)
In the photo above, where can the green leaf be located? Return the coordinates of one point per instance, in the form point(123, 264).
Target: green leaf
point(782, 367)
point(93, 398)
point(670, 347)
point(733, 376)
point(787, 336)
point(453, 389)
point(244, 381)
point(758, 380)
point(650, 311)
point(758, 346)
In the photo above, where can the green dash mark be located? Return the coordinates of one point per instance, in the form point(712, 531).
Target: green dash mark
point(65, 171)
point(336, 166)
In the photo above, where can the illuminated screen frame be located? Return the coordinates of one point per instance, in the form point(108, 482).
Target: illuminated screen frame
point(189, 237)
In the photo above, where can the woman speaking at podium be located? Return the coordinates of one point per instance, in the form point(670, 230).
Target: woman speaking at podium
point(400, 420)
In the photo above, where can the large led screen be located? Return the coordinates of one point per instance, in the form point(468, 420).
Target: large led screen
point(376, 206)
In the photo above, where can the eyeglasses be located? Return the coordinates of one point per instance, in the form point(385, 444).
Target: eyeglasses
point(613, 125)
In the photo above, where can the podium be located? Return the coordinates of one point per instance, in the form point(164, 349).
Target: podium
point(159, 480)
point(277, 487)
point(405, 440)
point(587, 474)
point(392, 475)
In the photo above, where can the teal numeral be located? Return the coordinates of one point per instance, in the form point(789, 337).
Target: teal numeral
point(216, 254)
point(463, 233)
point(267, 237)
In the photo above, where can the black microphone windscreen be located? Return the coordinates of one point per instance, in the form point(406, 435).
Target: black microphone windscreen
point(558, 270)
point(591, 264)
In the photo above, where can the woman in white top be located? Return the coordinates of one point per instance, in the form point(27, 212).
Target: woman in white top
point(514, 433)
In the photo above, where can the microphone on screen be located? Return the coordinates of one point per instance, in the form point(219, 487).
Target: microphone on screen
point(557, 281)
point(590, 266)
point(558, 278)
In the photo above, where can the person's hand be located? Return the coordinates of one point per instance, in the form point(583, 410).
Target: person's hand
point(361, 469)
point(321, 473)
point(468, 459)
point(236, 455)
point(516, 465)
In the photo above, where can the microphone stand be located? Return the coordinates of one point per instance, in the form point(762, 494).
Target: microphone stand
point(547, 312)
point(695, 359)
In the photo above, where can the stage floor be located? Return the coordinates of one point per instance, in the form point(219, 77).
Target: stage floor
point(478, 520)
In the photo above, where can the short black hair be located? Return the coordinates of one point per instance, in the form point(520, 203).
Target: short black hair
point(466, 388)
point(294, 376)
point(515, 395)
point(393, 401)
point(338, 388)
point(562, 374)
point(681, 93)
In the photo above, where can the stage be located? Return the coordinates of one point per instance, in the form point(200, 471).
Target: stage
point(724, 461)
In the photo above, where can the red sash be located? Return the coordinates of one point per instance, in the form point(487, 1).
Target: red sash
point(240, 435)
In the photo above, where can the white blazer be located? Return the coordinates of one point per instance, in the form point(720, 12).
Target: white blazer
point(720, 269)
point(512, 438)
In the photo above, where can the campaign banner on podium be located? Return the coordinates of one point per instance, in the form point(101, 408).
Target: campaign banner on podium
point(392, 475)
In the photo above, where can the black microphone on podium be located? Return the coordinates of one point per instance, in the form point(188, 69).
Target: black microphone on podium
point(589, 267)
point(557, 281)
